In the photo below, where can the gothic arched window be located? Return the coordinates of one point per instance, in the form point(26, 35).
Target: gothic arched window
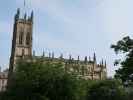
point(28, 39)
point(21, 38)
point(23, 52)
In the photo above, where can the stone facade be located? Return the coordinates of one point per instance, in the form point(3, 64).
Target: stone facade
point(87, 68)
point(3, 80)
point(22, 39)
point(22, 49)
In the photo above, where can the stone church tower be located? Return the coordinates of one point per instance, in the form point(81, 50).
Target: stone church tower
point(22, 49)
point(22, 39)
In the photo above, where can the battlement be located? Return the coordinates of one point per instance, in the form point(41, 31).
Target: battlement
point(70, 59)
point(86, 69)
point(25, 18)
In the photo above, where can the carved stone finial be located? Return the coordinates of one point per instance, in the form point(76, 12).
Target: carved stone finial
point(43, 54)
point(18, 11)
point(17, 14)
point(70, 57)
point(89, 58)
point(105, 64)
point(85, 58)
point(102, 61)
point(61, 55)
point(94, 58)
point(49, 55)
point(25, 16)
point(78, 58)
point(52, 54)
point(32, 15)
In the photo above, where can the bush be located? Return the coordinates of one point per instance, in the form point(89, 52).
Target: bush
point(42, 81)
point(106, 90)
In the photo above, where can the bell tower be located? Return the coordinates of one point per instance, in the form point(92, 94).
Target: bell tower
point(22, 38)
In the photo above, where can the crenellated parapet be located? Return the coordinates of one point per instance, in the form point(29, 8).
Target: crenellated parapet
point(87, 68)
point(24, 18)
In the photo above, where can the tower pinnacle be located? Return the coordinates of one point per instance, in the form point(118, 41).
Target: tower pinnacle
point(94, 57)
point(24, 3)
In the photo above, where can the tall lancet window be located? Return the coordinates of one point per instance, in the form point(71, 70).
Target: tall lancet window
point(21, 37)
point(28, 39)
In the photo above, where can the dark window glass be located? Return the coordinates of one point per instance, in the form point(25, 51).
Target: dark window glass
point(21, 38)
point(28, 39)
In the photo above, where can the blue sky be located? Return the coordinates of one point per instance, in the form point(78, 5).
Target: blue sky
point(77, 27)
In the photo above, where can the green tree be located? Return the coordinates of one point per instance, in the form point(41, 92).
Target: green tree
point(125, 46)
point(106, 90)
point(41, 81)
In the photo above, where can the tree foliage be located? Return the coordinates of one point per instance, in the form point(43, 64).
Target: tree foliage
point(125, 46)
point(49, 81)
point(106, 90)
point(41, 81)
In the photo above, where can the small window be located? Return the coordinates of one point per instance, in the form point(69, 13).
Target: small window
point(28, 39)
point(23, 52)
point(21, 38)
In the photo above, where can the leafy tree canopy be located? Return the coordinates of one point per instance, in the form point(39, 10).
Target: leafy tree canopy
point(125, 46)
point(41, 81)
point(106, 90)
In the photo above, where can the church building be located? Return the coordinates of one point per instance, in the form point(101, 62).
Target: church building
point(22, 49)
point(22, 41)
